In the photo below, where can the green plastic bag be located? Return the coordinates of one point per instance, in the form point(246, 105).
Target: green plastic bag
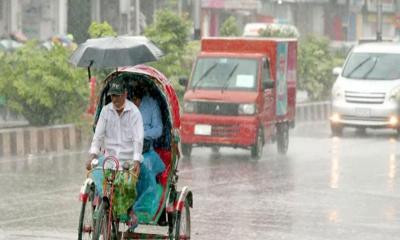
point(124, 192)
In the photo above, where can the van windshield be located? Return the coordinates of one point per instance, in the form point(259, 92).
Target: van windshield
point(372, 66)
point(225, 74)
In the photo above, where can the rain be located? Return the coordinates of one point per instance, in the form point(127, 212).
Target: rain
point(279, 119)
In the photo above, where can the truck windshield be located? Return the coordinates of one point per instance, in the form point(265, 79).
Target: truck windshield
point(225, 73)
point(372, 66)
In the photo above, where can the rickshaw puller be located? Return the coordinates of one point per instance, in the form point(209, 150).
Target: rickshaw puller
point(119, 129)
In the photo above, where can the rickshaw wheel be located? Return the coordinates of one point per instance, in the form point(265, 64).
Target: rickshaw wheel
point(181, 228)
point(186, 149)
point(101, 231)
point(86, 220)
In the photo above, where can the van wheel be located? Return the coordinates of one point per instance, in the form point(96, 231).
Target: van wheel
point(336, 130)
point(256, 149)
point(186, 149)
point(282, 138)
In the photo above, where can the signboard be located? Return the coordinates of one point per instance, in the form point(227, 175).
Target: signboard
point(231, 4)
point(281, 79)
point(387, 5)
point(356, 5)
point(385, 19)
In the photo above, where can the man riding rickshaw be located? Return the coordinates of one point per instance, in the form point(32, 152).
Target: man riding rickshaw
point(132, 168)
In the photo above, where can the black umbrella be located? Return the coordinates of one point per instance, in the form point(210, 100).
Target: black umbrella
point(112, 52)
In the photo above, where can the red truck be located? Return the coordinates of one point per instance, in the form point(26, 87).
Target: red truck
point(241, 94)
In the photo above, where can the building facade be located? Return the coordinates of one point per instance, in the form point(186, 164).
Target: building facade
point(36, 19)
point(340, 20)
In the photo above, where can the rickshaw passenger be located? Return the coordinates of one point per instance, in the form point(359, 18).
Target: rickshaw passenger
point(148, 195)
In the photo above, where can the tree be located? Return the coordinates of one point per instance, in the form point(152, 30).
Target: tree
point(42, 86)
point(315, 64)
point(279, 31)
point(229, 27)
point(104, 29)
point(170, 33)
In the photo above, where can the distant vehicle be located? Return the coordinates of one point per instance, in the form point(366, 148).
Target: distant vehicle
point(241, 94)
point(366, 93)
point(253, 29)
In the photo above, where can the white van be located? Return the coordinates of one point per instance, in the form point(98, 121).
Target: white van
point(366, 93)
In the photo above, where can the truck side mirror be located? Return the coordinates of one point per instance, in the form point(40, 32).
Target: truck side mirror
point(268, 84)
point(337, 71)
point(183, 81)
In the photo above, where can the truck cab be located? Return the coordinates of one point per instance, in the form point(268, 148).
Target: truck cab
point(233, 98)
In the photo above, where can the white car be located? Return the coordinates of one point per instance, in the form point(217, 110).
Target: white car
point(366, 93)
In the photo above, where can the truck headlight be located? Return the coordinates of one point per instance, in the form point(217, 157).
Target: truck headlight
point(247, 109)
point(394, 95)
point(188, 107)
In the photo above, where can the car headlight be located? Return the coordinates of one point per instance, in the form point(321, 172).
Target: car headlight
point(394, 95)
point(188, 107)
point(247, 109)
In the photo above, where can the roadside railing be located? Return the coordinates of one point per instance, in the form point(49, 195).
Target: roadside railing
point(21, 139)
point(313, 111)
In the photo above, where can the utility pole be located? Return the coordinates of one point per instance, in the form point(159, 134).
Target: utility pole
point(137, 7)
point(179, 8)
point(197, 19)
point(379, 21)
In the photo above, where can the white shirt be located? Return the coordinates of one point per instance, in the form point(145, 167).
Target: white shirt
point(122, 135)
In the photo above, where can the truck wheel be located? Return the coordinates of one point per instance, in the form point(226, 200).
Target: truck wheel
point(186, 149)
point(215, 150)
point(256, 149)
point(282, 138)
point(336, 130)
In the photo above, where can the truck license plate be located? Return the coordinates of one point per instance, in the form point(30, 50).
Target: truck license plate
point(202, 129)
point(363, 112)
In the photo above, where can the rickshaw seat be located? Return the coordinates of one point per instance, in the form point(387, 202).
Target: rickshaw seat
point(166, 156)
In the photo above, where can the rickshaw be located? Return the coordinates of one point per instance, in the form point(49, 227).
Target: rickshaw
point(173, 211)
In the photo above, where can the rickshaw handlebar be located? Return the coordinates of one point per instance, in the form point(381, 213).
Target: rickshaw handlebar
point(126, 166)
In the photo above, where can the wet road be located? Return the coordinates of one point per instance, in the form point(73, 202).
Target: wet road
point(325, 188)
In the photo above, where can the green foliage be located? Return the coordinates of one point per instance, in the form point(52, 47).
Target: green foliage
point(42, 85)
point(104, 29)
point(170, 33)
point(229, 27)
point(315, 64)
point(279, 31)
